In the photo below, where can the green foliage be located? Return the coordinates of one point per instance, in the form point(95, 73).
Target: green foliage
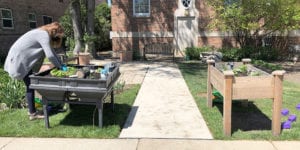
point(230, 54)
point(119, 86)
point(89, 38)
point(241, 70)
point(12, 91)
point(252, 20)
point(264, 53)
point(102, 27)
point(261, 53)
point(60, 73)
point(193, 53)
point(266, 65)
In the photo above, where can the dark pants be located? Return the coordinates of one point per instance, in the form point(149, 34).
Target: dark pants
point(29, 94)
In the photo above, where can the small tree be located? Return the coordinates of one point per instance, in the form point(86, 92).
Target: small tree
point(102, 26)
point(252, 20)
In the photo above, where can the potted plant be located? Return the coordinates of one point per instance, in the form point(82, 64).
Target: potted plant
point(84, 57)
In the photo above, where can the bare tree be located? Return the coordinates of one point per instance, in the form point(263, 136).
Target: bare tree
point(75, 16)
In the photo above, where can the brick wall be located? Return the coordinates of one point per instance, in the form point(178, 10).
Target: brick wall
point(162, 20)
point(20, 10)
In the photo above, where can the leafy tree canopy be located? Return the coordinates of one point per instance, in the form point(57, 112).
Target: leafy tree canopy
point(255, 18)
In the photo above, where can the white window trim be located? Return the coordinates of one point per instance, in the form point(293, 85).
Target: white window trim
point(12, 19)
point(46, 16)
point(141, 14)
point(32, 21)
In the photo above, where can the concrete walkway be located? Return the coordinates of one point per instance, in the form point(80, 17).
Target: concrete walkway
point(140, 144)
point(164, 107)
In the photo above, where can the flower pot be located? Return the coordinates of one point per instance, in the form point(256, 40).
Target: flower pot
point(84, 58)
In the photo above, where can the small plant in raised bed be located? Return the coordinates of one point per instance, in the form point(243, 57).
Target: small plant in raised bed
point(244, 71)
point(241, 71)
point(61, 73)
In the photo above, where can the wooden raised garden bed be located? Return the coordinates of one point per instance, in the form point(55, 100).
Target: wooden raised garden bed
point(245, 87)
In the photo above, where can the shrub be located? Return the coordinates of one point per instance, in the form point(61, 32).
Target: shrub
point(266, 65)
point(193, 53)
point(265, 53)
point(12, 91)
point(230, 54)
point(259, 53)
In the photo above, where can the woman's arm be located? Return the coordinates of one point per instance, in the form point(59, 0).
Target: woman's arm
point(44, 40)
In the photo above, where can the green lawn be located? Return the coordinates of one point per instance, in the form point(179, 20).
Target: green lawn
point(78, 122)
point(252, 122)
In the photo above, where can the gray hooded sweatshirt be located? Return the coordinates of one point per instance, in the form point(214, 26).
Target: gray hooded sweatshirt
point(28, 52)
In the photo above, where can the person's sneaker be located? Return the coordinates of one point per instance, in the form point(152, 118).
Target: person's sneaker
point(37, 112)
point(36, 115)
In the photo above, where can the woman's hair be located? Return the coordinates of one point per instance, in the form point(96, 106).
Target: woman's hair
point(55, 32)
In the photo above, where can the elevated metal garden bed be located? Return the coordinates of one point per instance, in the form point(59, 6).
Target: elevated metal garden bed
point(74, 90)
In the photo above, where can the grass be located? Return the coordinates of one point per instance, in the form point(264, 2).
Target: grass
point(78, 122)
point(252, 122)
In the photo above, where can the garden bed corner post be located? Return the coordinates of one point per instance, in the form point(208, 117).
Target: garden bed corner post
point(227, 103)
point(277, 101)
point(210, 63)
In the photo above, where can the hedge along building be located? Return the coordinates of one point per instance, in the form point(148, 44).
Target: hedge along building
point(181, 22)
point(20, 16)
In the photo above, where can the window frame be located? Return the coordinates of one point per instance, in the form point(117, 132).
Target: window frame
point(11, 19)
point(189, 5)
point(32, 21)
point(141, 14)
point(48, 17)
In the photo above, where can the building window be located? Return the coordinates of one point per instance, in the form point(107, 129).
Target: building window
point(32, 20)
point(141, 8)
point(186, 3)
point(7, 19)
point(47, 19)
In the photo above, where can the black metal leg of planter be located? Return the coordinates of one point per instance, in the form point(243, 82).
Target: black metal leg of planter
point(45, 104)
point(112, 98)
point(100, 112)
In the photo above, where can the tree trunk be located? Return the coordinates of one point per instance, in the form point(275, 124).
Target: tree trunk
point(90, 46)
point(77, 28)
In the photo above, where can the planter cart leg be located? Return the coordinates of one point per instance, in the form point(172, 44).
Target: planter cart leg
point(227, 103)
point(45, 104)
point(112, 99)
point(100, 112)
point(277, 102)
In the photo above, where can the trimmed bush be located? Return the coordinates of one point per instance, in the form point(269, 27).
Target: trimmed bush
point(193, 53)
point(259, 53)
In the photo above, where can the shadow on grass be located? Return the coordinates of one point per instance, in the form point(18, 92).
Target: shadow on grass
point(80, 115)
point(246, 118)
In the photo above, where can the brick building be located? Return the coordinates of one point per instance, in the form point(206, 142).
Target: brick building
point(20, 16)
point(181, 22)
